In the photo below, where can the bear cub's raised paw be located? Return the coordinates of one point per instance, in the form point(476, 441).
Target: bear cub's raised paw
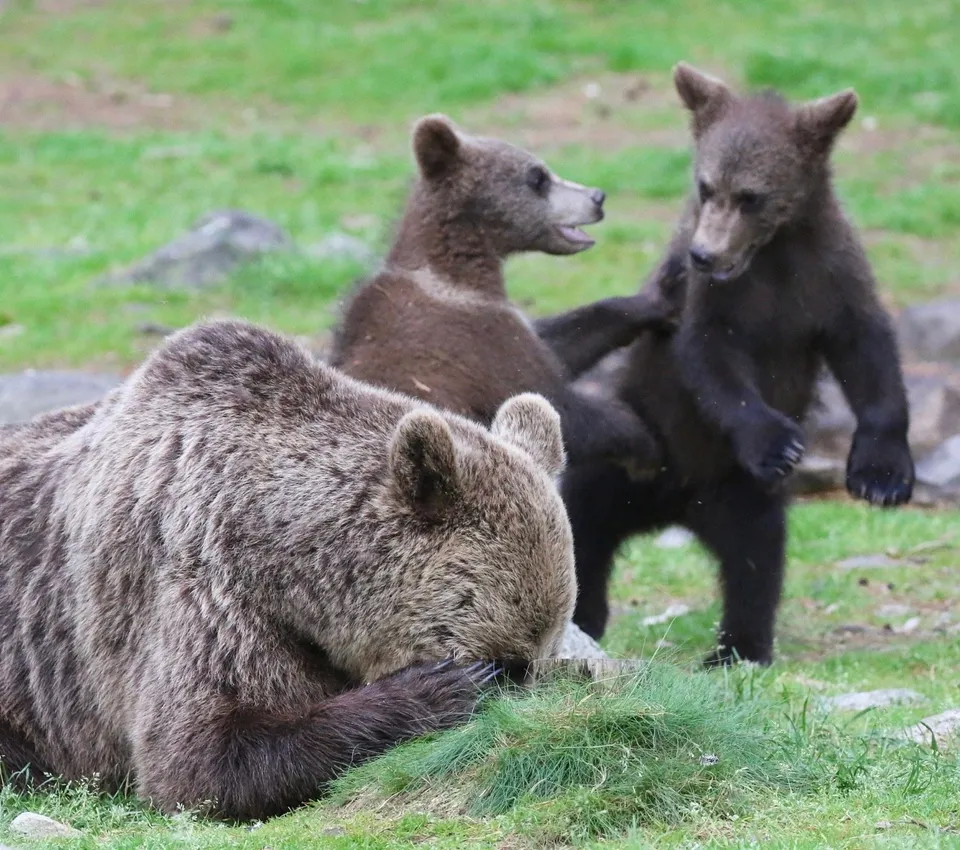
point(773, 449)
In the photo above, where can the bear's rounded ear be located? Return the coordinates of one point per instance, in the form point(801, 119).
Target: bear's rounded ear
point(820, 122)
point(696, 89)
point(436, 145)
point(423, 462)
point(530, 422)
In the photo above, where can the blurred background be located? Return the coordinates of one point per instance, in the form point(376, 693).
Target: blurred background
point(125, 123)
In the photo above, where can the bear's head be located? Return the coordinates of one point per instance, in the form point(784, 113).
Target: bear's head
point(481, 540)
point(759, 165)
point(511, 196)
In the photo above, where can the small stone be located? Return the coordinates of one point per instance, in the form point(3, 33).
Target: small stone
point(678, 609)
point(871, 699)
point(333, 831)
point(675, 537)
point(31, 825)
point(859, 562)
point(910, 626)
point(214, 247)
point(944, 727)
point(591, 91)
point(893, 609)
point(578, 644)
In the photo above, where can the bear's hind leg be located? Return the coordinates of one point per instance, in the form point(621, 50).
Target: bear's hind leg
point(745, 527)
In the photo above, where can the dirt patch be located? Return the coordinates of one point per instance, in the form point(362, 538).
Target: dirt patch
point(67, 7)
point(604, 112)
point(35, 103)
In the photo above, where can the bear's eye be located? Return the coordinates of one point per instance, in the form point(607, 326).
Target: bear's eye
point(538, 179)
point(749, 202)
point(705, 190)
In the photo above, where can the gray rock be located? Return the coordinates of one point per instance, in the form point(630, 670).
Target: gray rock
point(932, 330)
point(933, 392)
point(26, 394)
point(341, 246)
point(871, 699)
point(941, 468)
point(818, 473)
point(577, 644)
point(207, 253)
point(944, 727)
point(32, 825)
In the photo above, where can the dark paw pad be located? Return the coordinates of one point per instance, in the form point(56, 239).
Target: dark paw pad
point(780, 454)
point(882, 474)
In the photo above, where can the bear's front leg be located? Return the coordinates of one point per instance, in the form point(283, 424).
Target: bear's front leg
point(240, 762)
point(720, 377)
point(862, 354)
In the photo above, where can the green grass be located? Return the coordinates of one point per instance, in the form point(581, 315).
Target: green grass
point(619, 762)
point(301, 113)
point(134, 119)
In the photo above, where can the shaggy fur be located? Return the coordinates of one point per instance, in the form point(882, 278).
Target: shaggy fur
point(436, 322)
point(774, 285)
point(240, 572)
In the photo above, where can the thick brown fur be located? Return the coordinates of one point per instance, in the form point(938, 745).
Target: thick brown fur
point(774, 285)
point(242, 571)
point(435, 322)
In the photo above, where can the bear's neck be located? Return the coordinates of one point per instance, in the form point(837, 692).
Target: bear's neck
point(456, 250)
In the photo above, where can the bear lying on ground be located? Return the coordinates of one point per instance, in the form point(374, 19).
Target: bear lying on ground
point(435, 322)
point(242, 571)
point(774, 284)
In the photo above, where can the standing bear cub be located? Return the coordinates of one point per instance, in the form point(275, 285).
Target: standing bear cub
point(774, 284)
point(243, 571)
point(435, 322)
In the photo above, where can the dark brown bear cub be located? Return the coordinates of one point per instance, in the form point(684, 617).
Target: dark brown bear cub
point(435, 321)
point(774, 284)
point(241, 572)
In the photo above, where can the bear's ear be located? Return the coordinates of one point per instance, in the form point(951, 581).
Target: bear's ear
point(423, 462)
point(698, 90)
point(820, 122)
point(530, 422)
point(436, 145)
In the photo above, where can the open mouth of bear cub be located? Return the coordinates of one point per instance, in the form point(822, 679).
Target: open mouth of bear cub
point(575, 236)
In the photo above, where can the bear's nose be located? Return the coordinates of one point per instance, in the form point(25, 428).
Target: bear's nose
point(598, 196)
point(701, 258)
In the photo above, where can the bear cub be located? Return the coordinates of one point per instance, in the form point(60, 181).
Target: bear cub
point(241, 572)
point(774, 284)
point(435, 322)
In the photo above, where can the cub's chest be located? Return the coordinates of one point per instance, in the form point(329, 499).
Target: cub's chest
point(769, 316)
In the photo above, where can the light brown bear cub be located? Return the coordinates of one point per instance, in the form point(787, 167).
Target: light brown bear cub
point(436, 323)
point(244, 571)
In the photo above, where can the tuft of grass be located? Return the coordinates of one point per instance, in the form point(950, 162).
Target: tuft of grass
point(586, 759)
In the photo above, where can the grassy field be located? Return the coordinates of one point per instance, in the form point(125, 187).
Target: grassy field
point(122, 123)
